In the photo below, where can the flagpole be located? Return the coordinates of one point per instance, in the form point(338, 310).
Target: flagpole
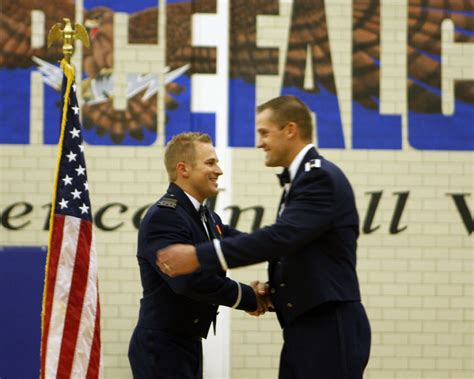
point(67, 35)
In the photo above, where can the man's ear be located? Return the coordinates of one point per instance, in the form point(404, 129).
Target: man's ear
point(292, 130)
point(182, 170)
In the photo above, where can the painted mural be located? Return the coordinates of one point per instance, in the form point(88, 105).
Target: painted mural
point(307, 44)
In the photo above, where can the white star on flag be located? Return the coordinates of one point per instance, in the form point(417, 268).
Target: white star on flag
point(63, 203)
point(81, 147)
point(80, 170)
point(86, 186)
point(67, 180)
point(74, 87)
point(84, 209)
point(75, 133)
point(76, 194)
point(71, 156)
point(75, 109)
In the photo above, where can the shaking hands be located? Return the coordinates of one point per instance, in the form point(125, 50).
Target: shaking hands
point(264, 304)
point(180, 259)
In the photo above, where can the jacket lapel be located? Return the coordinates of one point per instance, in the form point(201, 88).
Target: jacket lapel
point(185, 203)
point(311, 154)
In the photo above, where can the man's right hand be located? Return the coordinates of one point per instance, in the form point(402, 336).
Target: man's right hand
point(263, 299)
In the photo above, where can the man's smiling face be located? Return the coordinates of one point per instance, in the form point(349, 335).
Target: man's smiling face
point(204, 171)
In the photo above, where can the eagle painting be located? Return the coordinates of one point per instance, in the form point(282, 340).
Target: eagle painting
point(308, 27)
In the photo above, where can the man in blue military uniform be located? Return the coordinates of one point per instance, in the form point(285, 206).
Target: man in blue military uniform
point(311, 251)
point(176, 313)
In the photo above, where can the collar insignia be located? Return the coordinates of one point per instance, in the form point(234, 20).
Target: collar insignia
point(312, 164)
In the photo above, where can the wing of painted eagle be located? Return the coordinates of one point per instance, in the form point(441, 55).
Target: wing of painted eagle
point(309, 27)
point(15, 30)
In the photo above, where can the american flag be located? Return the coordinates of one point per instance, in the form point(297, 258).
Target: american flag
point(70, 342)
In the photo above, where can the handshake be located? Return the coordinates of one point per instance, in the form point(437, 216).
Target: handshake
point(180, 259)
point(264, 304)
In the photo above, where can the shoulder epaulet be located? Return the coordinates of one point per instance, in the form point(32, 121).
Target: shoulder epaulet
point(168, 201)
point(312, 164)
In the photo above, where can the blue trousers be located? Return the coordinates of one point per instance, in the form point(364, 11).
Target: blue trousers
point(330, 342)
point(156, 354)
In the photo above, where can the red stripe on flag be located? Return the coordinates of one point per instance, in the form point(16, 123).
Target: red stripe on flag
point(94, 360)
point(76, 300)
point(50, 282)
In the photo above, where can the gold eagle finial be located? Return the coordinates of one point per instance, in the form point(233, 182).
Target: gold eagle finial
point(68, 35)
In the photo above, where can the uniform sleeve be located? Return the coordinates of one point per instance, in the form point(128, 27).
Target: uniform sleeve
point(309, 214)
point(166, 227)
point(229, 231)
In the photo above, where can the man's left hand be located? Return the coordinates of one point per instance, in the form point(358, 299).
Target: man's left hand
point(177, 259)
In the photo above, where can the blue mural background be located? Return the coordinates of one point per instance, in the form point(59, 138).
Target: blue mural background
point(430, 130)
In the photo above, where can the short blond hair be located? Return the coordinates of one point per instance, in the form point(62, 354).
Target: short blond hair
point(182, 148)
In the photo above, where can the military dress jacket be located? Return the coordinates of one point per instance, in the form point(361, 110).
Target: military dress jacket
point(185, 305)
point(311, 248)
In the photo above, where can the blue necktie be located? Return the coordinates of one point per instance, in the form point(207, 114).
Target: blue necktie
point(284, 178)
point(205, 214)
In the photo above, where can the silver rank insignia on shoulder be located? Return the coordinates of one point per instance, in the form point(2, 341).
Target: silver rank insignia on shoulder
point(313, 163)
point(168, 202)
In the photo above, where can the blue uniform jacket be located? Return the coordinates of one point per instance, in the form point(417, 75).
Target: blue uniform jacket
point(311, 248)
point(185, 305)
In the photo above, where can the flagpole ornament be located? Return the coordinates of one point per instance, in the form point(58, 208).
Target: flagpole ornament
point(68, 35)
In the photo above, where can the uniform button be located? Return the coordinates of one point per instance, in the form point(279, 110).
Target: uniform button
point(272, 290)
point(196, 320)
point(279, 262)
point(282, 285)
point(289, 305)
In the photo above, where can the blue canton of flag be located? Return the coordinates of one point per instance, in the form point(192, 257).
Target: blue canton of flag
point(72, 194)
